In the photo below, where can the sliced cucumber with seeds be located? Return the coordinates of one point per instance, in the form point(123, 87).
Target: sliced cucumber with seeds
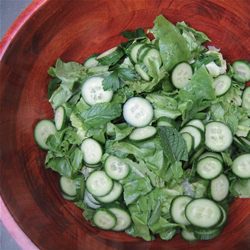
point(110, 56)
point(92, 151)
point(177, 209)
point(113, 195)
point(60, 118)
point(123, 219)
point(222, 84)
point(116, 168)
point(203, 213)
point(208, 168)
point(241, 71)
point(189, 141)
point(93, 92)
point(138, 112)
point(241, 166)
point(197, 123)
point(195, 132)
point(218, 136)
point(104, 219)
point(99, 183)
point(219, 188)
point(181, 75)
point(42, 131)
point(246, 99)
point(140, 134)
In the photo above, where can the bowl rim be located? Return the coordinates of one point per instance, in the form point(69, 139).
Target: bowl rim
point(18, 23)
point(7, 219)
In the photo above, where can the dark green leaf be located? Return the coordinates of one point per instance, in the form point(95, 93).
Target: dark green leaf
point(173, 144)
point(101, 114)
point(137, 34)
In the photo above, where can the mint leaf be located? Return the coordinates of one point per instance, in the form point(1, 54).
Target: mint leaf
point(116, 79)
point(101, 113)
point(173, 144)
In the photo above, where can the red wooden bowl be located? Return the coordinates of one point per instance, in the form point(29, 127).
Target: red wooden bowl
point(73, 30)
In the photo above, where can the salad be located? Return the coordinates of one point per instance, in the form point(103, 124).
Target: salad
point(151, 137)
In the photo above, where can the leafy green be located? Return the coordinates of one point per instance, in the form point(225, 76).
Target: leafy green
point(101, 114)
point(116, 79)
point(197, 95)
point(134, 35)
point(193, 38)
point(240, 188)
point(118, 131)
point(173, 47)
point(173, 145)
point(164, 106)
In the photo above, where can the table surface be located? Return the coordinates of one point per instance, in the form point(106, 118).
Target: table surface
point(9, 10)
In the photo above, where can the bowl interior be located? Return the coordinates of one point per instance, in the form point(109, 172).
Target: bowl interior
point(73, 30)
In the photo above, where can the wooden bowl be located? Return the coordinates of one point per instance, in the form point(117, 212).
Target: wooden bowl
point(73, 30)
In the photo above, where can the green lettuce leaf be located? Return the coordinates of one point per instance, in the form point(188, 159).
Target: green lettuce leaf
point(240, 188)
point(173, 47)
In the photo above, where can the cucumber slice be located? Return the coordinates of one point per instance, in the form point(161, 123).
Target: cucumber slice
point(181, 75)
point(203, 213)
point(246, 98)
point(111, 56)
point(138, 112)
point(188, 235)
point(140, 134)
point(92, 151)
point(90, 203)
point(197, 123)
point(165, 121)
point(222, 84)
point(93, 92)
point(177, 209)
point(68, 186)
point(152, 55)
point(218, 136)
point(113, 195)
point(116, 168)
point(91, 198)
point(142, 70)
point(223, 218)
point(241, 71)
point(99, 184)
point(60, 118)
point(241, 166)
point(123, 220)
point(134, 51)
point(188, 138)
point(208, 168)
point(195, 132)
point(211, 154)
point(207, 234)
point(219, 188)
point(91, 62)
point(104, 219)
point(42, 131)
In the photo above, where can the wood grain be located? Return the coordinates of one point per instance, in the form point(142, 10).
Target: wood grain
point(73, 30)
